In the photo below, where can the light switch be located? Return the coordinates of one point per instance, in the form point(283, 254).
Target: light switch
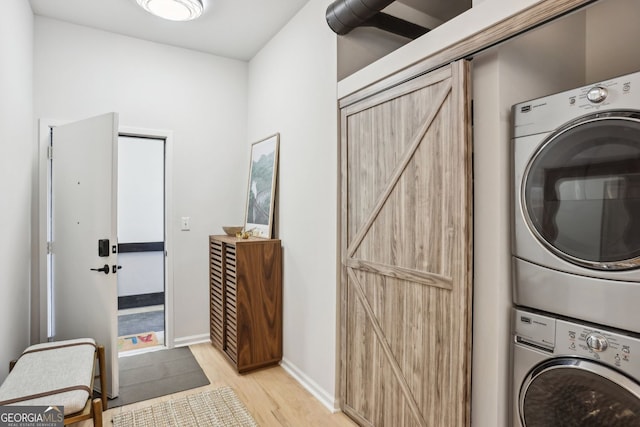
point(184, 223)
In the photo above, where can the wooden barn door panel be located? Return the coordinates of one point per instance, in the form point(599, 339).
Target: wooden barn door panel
point(406, 253)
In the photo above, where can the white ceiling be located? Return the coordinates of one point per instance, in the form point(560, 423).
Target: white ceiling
point(230, 28)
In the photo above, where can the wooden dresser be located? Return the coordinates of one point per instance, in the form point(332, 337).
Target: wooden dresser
point(245, 288)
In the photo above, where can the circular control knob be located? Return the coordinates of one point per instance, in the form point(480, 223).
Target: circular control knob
point(597, 342)
point(597, 94)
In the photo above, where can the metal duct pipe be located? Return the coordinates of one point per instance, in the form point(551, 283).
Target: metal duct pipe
point(345, 15)
point(396, 25)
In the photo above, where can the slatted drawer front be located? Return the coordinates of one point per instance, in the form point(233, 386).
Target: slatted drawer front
point(216, 294)
point(230, 293)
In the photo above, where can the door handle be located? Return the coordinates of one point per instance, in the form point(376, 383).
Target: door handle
point(104, 269)
point(115, 268)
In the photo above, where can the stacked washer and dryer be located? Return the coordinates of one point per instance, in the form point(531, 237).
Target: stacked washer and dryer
point(576, 257)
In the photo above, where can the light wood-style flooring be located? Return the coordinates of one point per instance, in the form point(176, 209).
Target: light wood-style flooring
point(271, 395)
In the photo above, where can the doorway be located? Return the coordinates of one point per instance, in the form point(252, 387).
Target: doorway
point(141, 244)
point(44, 326)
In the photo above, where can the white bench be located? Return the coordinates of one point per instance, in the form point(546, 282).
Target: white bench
point(59, 374)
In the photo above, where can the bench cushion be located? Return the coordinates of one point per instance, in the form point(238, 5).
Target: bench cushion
point(52, 369)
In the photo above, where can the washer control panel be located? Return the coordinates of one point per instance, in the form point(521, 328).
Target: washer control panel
point(559, 337)
point(621, 351)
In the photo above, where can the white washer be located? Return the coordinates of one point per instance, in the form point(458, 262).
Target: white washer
point(576, 203)
point(567, 374)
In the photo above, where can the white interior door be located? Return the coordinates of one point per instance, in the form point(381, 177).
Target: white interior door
point(84, 195)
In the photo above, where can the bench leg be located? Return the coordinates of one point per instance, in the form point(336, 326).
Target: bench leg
point(96, 405)
point(103, 376)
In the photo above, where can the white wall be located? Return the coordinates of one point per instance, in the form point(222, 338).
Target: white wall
point(613, 50)
point(362, 46)
point(142, 273)
point(140, 190)
point(16, 168)
point(82, 72)
point(292, 90)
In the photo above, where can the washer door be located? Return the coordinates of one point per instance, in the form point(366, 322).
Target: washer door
point(566, 392)
point(581, 191)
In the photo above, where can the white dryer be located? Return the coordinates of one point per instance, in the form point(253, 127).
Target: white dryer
point(576, 203)
point(568, 374)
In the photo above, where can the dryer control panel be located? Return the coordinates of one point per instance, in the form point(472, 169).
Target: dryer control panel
point(550, 112)
point(559, 337)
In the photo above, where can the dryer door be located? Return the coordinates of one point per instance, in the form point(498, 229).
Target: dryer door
point(577, 392)
point(581, 191)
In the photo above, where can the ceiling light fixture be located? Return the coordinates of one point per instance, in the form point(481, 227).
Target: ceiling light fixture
point(174, 10)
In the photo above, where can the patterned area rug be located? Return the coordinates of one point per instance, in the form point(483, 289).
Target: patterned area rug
point(219, 407)
point(137, 341)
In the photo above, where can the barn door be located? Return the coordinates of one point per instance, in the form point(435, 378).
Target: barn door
point(405, 312)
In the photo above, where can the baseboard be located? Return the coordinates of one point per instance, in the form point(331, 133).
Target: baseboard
point(191, 340)
point(327, 399)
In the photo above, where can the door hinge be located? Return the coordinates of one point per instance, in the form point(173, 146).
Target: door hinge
point(50, 152)
point(49, 248)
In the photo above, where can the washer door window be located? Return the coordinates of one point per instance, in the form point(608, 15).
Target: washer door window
point(567, 392)
point(581, 191)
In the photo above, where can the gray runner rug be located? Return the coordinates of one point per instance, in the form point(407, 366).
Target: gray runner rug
point(157, 373)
